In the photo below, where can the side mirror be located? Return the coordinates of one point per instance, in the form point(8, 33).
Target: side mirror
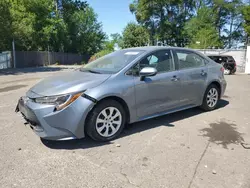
point(147, 71)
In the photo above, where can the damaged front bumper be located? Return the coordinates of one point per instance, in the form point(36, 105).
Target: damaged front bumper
point(47, 123)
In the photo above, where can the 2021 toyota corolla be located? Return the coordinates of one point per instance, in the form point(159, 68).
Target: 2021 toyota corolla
point(125, 86)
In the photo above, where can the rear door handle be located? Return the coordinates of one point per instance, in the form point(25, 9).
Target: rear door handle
point(174, 78)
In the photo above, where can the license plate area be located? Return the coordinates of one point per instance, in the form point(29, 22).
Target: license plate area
point(26, 112)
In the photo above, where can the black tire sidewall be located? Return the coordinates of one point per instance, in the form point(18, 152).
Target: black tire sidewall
point(91, 120)
point(232, 71)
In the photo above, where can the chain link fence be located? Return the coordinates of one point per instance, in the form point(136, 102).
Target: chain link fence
point(5, 60)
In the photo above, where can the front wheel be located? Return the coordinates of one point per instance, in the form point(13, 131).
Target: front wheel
point(227, 72)
point(106, 121)
point(211, 98)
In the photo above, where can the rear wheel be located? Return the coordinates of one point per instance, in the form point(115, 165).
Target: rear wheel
point(211, 98)
point(106, 121)
point(232, 71)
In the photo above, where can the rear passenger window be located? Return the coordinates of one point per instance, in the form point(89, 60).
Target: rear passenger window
point(188, 59)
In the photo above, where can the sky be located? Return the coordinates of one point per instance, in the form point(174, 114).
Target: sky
point(113, 14)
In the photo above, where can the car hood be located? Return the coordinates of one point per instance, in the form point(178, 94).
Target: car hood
point(71, 82)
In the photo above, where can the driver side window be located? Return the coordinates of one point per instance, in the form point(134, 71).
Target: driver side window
point(161, 60)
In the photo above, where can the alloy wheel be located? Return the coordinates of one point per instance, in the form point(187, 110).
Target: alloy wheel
point(212, 97)
point(108, 121)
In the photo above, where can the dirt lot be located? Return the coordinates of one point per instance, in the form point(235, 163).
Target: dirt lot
point(185, 149)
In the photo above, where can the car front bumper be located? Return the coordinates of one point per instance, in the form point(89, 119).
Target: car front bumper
point(49, 124)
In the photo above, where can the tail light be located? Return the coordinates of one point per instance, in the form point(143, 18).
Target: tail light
point(222, 69)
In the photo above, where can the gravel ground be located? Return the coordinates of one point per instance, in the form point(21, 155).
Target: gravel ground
point(185, 149)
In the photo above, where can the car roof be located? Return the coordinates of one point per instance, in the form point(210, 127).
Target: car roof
point(148, 48)
point(216, 55)
point(152, 48)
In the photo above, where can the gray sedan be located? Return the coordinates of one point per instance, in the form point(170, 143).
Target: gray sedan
point(125, 86)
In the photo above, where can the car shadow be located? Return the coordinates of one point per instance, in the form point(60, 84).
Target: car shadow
point(166, 120)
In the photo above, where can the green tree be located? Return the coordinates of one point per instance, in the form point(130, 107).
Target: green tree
point(85, 33)
point(5, 26)
point(234, 22)
point(135, 35)
point(22, 24)
point(36, 25)
point(165, 19)
point(47, 25)
point(219, 14)
point(228, 20)
point(205, 38)
point(109, 44)
point(61, 25)
point(66, 9)
point(116, 38)
point(246, 16)
point(202, 31)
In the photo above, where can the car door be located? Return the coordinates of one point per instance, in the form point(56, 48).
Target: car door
point(193, 76)
point(157, 93)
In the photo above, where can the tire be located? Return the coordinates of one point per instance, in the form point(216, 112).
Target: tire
point(210, 103)
point(105, 128)
point(232, 71)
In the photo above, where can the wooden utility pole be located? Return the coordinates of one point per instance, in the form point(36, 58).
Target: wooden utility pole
point(14, 53)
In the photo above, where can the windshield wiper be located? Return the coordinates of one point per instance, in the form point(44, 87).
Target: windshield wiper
point(92, 71)
point(88, 70)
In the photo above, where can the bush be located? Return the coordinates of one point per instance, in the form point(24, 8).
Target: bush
point(82, 62)
point(99, 54)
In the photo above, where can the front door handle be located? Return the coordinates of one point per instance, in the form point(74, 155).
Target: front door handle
point(174, 78)
point(203, 73)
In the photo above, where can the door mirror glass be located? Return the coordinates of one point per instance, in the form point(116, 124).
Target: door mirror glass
point(148, 71)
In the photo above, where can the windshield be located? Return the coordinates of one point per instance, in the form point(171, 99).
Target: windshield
point(113, 62)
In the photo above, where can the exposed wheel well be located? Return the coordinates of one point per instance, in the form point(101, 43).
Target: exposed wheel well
point(218, 85)
point(122, 102)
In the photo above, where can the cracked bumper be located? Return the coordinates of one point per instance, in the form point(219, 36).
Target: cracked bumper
point(65, 124)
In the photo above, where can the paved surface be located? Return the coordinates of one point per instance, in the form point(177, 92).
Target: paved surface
point(185, 149)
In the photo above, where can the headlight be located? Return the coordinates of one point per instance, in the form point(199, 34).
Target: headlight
point(60, 101)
